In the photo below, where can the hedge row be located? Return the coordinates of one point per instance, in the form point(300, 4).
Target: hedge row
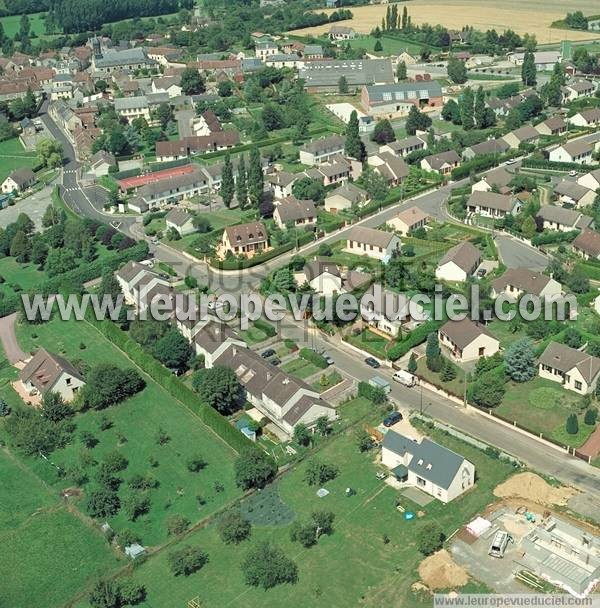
point(479, 163)
point(548, 238)
point(391, 198)
point(542, 163)
point(172, 385)
point(265, 327)
point(310, 355)
point(416, 337)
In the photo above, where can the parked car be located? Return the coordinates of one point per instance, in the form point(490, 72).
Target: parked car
point(267, 353)
point(372, 362)
point(392, 418)
point(405, 378)
point(572, 173)
point(275, 360)
point(481, 272)
point(329, 359)
point(511, 161)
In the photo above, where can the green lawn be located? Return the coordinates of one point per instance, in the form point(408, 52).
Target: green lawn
point(253, 335)
point(136, 423)
point(390, 45)
point(27, 276)
point(353, 566)
point(53, 552)
point(326, 381)
point(371, 342)
point(543, 406)
point(11, 24)
point(300, 368)
point(455, 387)
point(13, 155)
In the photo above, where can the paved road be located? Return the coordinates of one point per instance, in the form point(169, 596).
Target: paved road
point(184, 122)
point(8, 337)
point(515, 254)
point(34, 206)
point(540, 457)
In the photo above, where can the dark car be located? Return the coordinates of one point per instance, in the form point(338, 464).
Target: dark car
point(372, 362)
point(275, 361)
point(392, 419)
point(267, 353)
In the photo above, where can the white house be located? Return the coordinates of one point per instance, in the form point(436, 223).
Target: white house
point(577, 89)
point(181, 221)
point(295, 212)
point(408, 220)
point(101, 163)
point(322, 275)
point(586, 118)
point(587, 244)
point(562, 219)
point(377, 244)
point(387, 311)
point(574, 194)
point(46, 372)
point(322, 150)
point(19, 180)
point(467, 340)
point(282, 183)
point(428, 466)
point(516, 282)
point(590, 180)
point(491, 204)
point(345, 197)
point(459, 263)
point(574, 151)
point(442, 163)
point(575, 370)
point(523, 135)
point(499, 178)
point(142, 286)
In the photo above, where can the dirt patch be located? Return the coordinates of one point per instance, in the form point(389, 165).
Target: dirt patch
point(439, 571)
point(531, 487)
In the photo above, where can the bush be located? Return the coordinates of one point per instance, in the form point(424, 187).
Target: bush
point(318, 473)
point(572, 425)
point(187, 560)
point(177, 525)
point(430, 538)
point(416, 337)
point(591, 415)
point(265, 327)
point(310, 355)
point(373, 393)
point(196, 463)
point(233, 528)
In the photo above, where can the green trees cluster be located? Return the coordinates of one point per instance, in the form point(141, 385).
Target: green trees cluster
point(417, 121)
point(109, 593)
point(107, 384)
point(308, 533)
point(267, 566)
point(457, 70)
point(354, 146)
point(254, 469)
point(220, 388)
point(528, 69)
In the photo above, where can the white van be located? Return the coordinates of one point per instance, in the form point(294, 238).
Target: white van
point(498, 546)
point(405, 378)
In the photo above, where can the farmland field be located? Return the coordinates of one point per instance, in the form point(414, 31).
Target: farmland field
point(11, 24)
point(528, 16)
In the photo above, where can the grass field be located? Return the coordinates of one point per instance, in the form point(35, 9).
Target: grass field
point(27, 276)
point(529, 16)
point(136, 423)
point(14, 156)
point(11, 24)
point(300, 368)
point(53, 552)
point(352, 567)
point(391, 45)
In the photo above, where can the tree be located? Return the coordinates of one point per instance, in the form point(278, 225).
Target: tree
point(267, 566)
point(227, 189)
point(177, 525)
point(196, 463)
point(528, 227)
point(220, 388)
point(254, 469)
point(225, 88)
point(20, 247)
point(430, 538)
point(354, 146)
point(378, 46)
point(411, 368)
point(255, 177)
point(105, 594)
point(164, 115)
point(342, 86)
point(457, 70)
point(272, 117)
point(451, 112)
point(416, 121)
point(191, 82)
point(49, 153)
point(103, 502)
point(572, 425)
point(520, 360)
point(401, 71)
point(187, 560)
point(528, 70)
point(241, 187)
point(307, 188)
point(374, 183)
point(304, 533)
point(479, 112)
point(107, 384)
point(60, 261)
point(173, 350)
point(448, 370)
point(591, 415)
point(301, 434)
point(233, 528)
point(383, 133)
point(136, 504)
point(578, 281)
point(466, 105)
point(132, 593)
point(433, 353)
point(488, 390)
point(54, 407)
point(318, 473)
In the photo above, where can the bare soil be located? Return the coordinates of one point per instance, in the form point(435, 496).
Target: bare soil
point(531, 487)
point(439, 571)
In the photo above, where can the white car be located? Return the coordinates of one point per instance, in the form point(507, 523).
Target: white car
point(572, 173)
point(511, 161)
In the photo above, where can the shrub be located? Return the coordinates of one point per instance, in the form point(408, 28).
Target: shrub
point(187, 560)
point(430, 538)
point(233, 528)
point(572, 425)
point(310, 355)
point(591, 415)
point(374, 393)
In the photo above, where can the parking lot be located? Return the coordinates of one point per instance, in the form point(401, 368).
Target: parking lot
point(34, 206)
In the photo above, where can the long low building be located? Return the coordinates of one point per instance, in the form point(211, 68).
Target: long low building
point(196, 144)
point(325, 75)
point(394, 99)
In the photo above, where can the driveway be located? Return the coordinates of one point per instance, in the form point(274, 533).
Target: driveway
point(515, 254)
point(8, 337)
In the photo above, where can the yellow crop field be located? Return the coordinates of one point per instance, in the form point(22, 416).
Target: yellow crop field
point(523, 16)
